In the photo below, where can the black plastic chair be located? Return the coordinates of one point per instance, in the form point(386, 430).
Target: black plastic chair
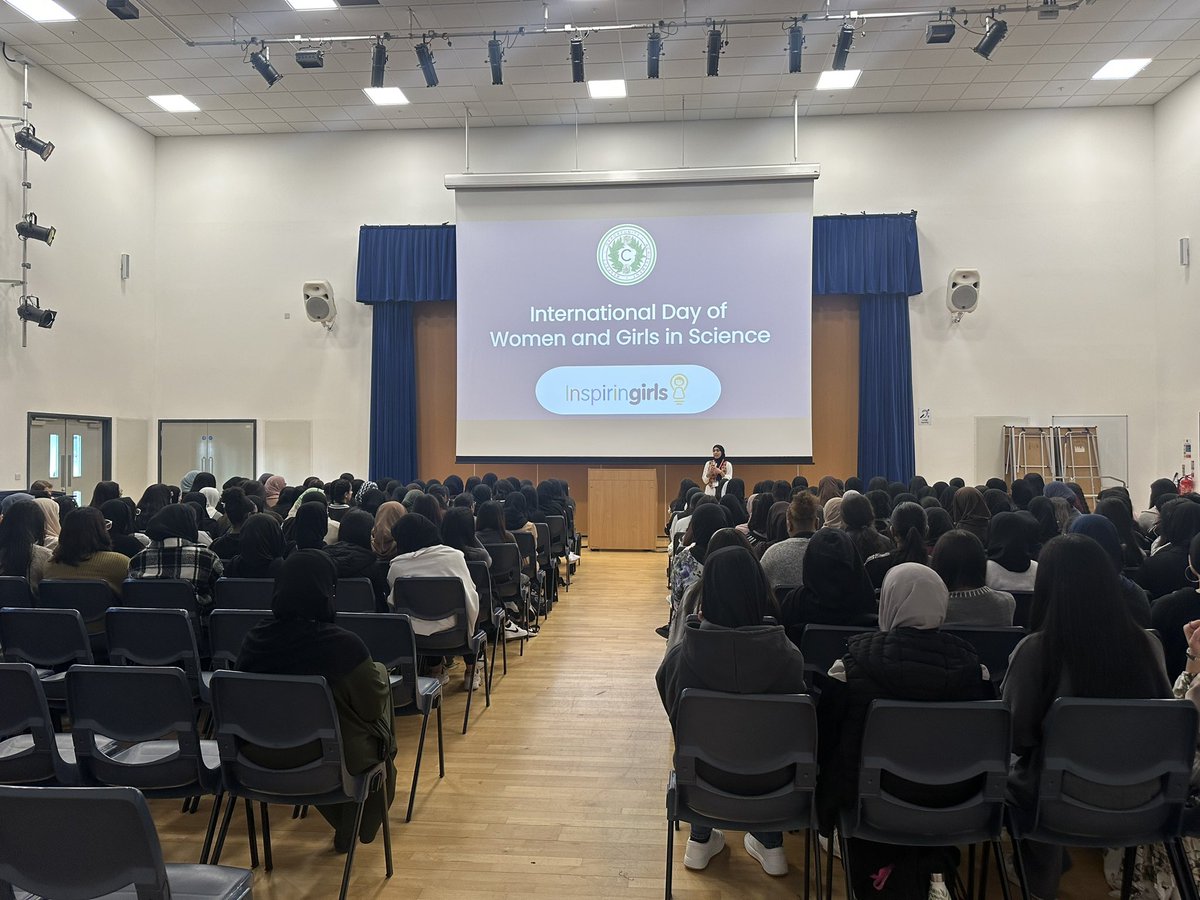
point(15, 592)
point(958, 750)
point(994, 646)
point(48, 639)
point(747, 762)
point(156, 637)
point(93, 842)
point(1092, 748)
point(506, 585)
point(148, 710)
point(391, 641)
point(31, 752)
point(91, 597)
point(282, 712)
point(491, 612)
point(243, 593)
point(549, 572)
point(159, 593)
point(227, 629)
point(1024, 608)
point(432, 599)
point(354, 595)
point(558, 546)
point(822, 646)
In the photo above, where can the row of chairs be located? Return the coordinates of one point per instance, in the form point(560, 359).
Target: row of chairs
point(1021, 614)
point(727, 746)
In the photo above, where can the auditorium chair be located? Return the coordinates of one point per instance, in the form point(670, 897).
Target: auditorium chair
point(15, 592)
point(48, 639)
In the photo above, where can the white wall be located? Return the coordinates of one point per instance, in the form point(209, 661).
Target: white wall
point(97, 189)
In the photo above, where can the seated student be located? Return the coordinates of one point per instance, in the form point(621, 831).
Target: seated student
point(687, 566)
point(310, 526)
point(683, 518)
point(756, 528)
point(693, 597)
point(859, 518)
point(1169, 614)
point(311, 495)
point(238, 509)
point(301, 638)
point(21, 528)
point(732, 648)
point(51, 513)
point(103, 492)
point(1162, 490)
point(261, 549)
point(1118, 509)
point(784, 561)
point(959, 560)
point(909, 527)
point(1165, 570)
point(426, 505)
point(272, 488)
point(516, 515)
point(1104, 533)
point(1084, 643)
point(174, 553)
point(84, 551)
point(1010, 565)
point(458, 531)
point(970, 512)
point(354, 558)
point(836, 589)
point(489, 524)
point(386, 517)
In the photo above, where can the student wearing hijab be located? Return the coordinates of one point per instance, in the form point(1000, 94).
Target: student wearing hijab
point(1165, 570)
point(386, 518)
point(1149, 518)
point(731, 648)
point(22, 526)
point(859, 518)
point(836, 589)
point(1010, 564)
point(212, 499)
point(1021, 493)
point(185, 483)
point(881, 503)
point(301, 638)
point(1104, 533)
point(50, 513)
point(909, 528)
point(204, 522)
point(238, 508)
point(717, 472)
point(104, 491)
point(783, 561)
point(120, 528)
point(1083, 643)
point(970, 512)
point(735, 509)
point(261, 549)
point(687, 566)
point(1120, 513)
point(960, 561)
point(1048, 528)
point(310, 526)
point(85, 552)
point(939, 523)
point(272, 488)
point(832, 514)
point(1036, 483)
point(756, 527)
point(997, 501)
point(175, 553)
point(1060, 490)
point(354, 558)
point(203, 480)
point(311, 495)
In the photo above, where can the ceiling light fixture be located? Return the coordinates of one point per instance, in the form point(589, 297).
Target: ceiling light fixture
point(261, 60)
point(424, 60)
point(309, 5)
point(841, 50)
point(27, 139)
point(795, 48)
point(176, 103)
point(1120, 69)
point(838, 79)
point(601, 89)
point(654, 49)
point(28, 229)
point(386, 96)
point(716, 43)
point(310, 58)
point(577, 52)
point(939, 32)
point(42, 10)
point(997, 31)
point(30, 310)
point(496, 59)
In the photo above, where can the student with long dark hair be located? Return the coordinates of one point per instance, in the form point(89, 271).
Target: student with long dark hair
point(1149, 518)
point(119, 521)
point(1104, 533)
point(961, 563)
point(859, 518)
point(84, 551)
point(1118, 509)
point(175, 553)
point(1084, 643)
point(103, 492)
point(909, 527)
point(154, 498)
point(1165, 570)
point(354, 558)
point(458, 531)
point(21, 528)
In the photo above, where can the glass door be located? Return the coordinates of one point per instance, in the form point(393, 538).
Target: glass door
point(70, 452)
point(224, 447)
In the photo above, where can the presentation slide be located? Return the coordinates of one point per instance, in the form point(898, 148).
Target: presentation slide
point(644, 321)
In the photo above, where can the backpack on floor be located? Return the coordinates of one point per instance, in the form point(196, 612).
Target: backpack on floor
point(890, 872)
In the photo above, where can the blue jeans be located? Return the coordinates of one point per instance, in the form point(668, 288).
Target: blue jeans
point(769, 839)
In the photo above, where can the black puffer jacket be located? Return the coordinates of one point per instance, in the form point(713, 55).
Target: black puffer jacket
point(905, 664)
point(353, 561)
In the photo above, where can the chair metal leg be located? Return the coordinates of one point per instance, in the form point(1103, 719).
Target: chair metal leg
point(441, 752)
point(1127, 862)
point(487, 678)
point(252, 834)
point(844, 843)
point(268, 862)
point(470, 694)
point(814, 836)
point(983, 868)
point(412, 794)
point(296, 811)
point(503, 652)
point(807, 862)
point(1019, 865)
point(225, 820)
point(829, 869)
point(971, 872)
point(358, 814)
point(670, 853)
point(387, 828)
point(1181, 869)
point(212, 827)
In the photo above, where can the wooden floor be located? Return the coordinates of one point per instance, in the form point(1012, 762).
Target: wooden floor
point(557, 790)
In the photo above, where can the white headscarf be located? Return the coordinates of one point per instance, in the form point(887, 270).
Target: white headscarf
point(211, 497)
point(913, 596)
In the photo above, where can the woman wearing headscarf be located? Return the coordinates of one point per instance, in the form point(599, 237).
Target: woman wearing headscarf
point(311, 495)
point(832, 517)
point(939, 523)
point(997, 501)
point(272, 488)
point(731, 648)
point(1165, 570)
point(916, 484)
point(212, 499)
point(386, 518)
point(1036, 483)
point(120, 529)
point(104, 491)
point(261, 549)
point(961, 563)
point(970, 512)
point(1022, 493)
point(50, 512)
point(1057, 489)
point(908, 658)
point(717, 472)
point(175, 553)
point(1120, 513)
point(757, 526)
point(687, 566)
point(735, 509)
point(1010, 564)
point(783, 561)
point(859, 518)
point(203, 480)
point(301, 638)
point(204, 522)
point(410, 497)
point(836, 588)
point(354, 558)
point(516, 514)
point(22, 527)
point(185, 483)
point(310, 526)
point(881, 503)
point(1104, 533)
point(1048, 528)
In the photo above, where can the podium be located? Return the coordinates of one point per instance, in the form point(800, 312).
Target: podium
point(623, 509)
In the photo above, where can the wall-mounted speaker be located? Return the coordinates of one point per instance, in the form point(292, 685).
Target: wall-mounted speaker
point(318, 303)
point(962, 291)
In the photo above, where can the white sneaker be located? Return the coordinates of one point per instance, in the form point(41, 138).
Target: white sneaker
point(774, 861)
point(439, 672)
point(513, 631)
point(698, 855)
point(473, 677)
point(573, 557)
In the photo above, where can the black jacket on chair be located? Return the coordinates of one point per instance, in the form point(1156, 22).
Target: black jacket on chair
point(353, 561)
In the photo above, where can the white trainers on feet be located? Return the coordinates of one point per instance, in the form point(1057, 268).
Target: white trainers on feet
point(513, 631)
point(773, 861)
point(573, 557)
point(473, 675)
point(698, 855)
point(439, 672)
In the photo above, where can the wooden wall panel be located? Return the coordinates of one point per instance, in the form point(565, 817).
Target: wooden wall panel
point(835, 408)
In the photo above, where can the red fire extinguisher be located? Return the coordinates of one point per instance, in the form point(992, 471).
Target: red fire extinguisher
point(1187, 483)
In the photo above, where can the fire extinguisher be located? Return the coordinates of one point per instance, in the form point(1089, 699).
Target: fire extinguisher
point(1187, 483)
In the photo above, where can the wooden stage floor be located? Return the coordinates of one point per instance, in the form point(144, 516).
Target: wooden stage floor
point(557, 790)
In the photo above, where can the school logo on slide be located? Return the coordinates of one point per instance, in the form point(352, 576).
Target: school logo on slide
point(626, 254)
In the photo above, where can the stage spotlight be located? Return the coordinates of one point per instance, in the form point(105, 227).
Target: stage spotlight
point(716, 40)
point(996, 32)
point(261, 60)
point(795, 48)
point(27, 139)
point(841, 51)
point(654, 49)
point(28, 229)
point(379, 59)
point(32, 312)
point(577, 60)
point(496, 59)
point(424, 60)
point(310, 58)
point(123, 9)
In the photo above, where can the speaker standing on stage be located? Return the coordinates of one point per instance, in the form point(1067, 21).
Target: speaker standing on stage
point(717, 472)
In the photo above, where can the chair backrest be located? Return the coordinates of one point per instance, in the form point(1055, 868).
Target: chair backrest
point(91, 596)
point(354, 595)
point(558, 535)
point(543, 542)
point(994, 646)
point(1024, 608)
point(482, 579)
point(46, 638)
point(243, 593)
point(391, 641)
point(152, 637)
point(160, 593)
point(15, 592)
point(131, 704)
point(23, 710)
point(823, 645)
point(227, 629)
point(1094, 751)
point(527, 546)
point(278, 712)
point(782, 591)
point(78, 843)
point(953, 748)
point(747, 758)
point(506, 568)
point(432, 599)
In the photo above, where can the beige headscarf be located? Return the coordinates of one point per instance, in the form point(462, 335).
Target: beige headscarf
point(913, 596)
point(386, 516)
point(272, 487)
point(833, 514)
point(50, 512)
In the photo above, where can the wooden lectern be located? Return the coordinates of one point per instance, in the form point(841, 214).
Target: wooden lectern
point(623, 511)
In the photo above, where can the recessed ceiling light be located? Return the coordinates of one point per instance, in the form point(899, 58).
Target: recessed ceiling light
point(386, 96)
point(174, 103)
point(838, 79)
point(42, 10)
point(606, 90)
point(304, 5)
point(1119, 69)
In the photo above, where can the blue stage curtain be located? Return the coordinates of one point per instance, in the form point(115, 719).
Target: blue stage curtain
point(876, 258)
point(399, 265)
